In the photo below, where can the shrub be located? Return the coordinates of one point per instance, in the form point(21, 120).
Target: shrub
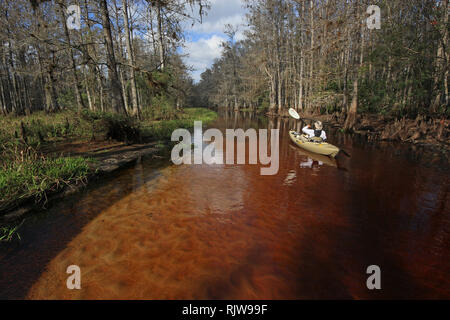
point(114, 126)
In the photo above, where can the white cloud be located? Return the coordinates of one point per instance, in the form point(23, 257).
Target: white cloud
point(207, 37)
point(218, 25)
point(202, 53)
point(222, 12)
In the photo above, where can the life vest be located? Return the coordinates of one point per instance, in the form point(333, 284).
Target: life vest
point(317, 133)
point(317, 138)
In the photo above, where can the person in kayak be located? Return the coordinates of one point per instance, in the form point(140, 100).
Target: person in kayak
point(316, 134)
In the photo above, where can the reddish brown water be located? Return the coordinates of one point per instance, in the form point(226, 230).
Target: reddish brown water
point(157, 231)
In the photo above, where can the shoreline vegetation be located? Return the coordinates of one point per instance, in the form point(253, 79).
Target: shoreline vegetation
point(68, 90)
point(46, 156)
point(422, 130)
point(327, 60)
point(97, 96)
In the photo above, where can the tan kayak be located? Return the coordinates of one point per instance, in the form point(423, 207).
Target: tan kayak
point(329, 161)
point(322, 148)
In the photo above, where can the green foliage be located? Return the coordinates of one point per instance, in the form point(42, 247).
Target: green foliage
point(199, 114)
point(66, 99)
point(332, 86)
point(114, 126)
point(400, 68)
point(161, 108)
point(163, 78)
point(122, 128)
point(162, 130)
point(156, 125)
point(41, 127)
point(263, 102)
point(24, 173)
point(373, 97)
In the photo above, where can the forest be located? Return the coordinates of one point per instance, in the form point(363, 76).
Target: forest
point(78, 76)
point(224, 150)
point(323, 57)
point(119, 58)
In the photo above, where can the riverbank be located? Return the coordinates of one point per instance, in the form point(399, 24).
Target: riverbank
point(156, 231)
point(46, 157)
point(432, 133)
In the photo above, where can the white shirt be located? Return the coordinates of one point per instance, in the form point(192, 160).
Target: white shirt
point(310, 133)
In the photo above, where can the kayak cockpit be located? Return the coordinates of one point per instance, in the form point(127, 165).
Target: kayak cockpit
point(319, 147)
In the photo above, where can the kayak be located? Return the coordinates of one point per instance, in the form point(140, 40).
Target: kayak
point(332, 162)
point(323, 148)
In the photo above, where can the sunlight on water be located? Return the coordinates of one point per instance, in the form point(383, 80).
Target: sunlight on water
point(226, 232)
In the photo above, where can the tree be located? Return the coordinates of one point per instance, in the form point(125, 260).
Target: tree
point(320, 56)
point(115, 90)
point(130, 59)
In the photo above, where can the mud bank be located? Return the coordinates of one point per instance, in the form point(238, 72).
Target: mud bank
point(105, 160)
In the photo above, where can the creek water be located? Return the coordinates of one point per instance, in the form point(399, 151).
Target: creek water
point(160, 231)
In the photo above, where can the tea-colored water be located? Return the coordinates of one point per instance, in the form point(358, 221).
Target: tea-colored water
point(226, 232)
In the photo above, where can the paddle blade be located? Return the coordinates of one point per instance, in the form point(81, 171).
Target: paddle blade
point(293, 114)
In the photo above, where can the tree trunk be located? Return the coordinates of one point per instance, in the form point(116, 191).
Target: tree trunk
point(120, 68)
point(346, 63)
point(115, 90)
point(76, 85)
point(442, 63)
point(131, 62)
point(350, 122)
point(3, 100)
point(160, 35)
point(300, 94)
point(311, 66)
point(52, 90)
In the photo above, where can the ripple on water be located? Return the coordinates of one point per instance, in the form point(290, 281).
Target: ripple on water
point(226, 232)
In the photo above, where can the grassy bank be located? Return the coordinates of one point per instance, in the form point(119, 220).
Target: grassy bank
point(30, 169)
point(28, 174)
point(41, 129)
point(162, 130)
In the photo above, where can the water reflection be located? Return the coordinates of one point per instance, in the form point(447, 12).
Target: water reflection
point(226, 232)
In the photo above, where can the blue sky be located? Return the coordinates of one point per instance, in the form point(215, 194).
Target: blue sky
point(203, 40)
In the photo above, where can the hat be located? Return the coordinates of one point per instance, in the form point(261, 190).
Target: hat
point(318, 125)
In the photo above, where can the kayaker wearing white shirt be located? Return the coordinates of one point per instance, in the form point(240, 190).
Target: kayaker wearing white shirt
point(317, 133)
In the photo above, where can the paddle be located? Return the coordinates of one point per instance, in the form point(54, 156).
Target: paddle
point(296, 116)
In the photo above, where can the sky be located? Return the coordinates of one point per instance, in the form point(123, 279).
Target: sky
point(203, 40)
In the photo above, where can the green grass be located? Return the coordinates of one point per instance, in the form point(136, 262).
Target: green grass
point(40, 126)
point(7, 233)
point(26, 173)
point(126, 129)
point(29, 175)
point(162, 130)
point(200, 114)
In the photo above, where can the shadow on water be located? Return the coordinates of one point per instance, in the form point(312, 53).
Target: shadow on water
point(45, 233)
point(226, 232)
